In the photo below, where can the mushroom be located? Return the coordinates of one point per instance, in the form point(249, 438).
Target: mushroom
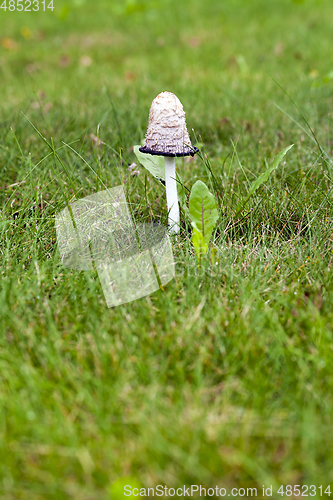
point(167, 136)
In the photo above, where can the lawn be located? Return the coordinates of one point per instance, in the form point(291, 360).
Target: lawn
point(224, 376)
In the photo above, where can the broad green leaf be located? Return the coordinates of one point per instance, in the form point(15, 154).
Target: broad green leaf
point(200, 246)
point(153, 163)
point(204, 214)
point(263, 178)
point(203, 209)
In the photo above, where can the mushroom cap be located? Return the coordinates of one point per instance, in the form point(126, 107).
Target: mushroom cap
point(167, 133)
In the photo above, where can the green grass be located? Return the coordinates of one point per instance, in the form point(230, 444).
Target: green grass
point(224, 377)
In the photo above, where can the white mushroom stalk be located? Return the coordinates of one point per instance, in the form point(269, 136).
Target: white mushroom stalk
point(171, 193)
point(167, 136)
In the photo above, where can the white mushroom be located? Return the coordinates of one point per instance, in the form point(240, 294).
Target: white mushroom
point(167, 136)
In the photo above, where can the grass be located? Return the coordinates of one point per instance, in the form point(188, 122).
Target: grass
point(225, 377)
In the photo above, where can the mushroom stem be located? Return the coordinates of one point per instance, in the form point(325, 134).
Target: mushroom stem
point(171, 193)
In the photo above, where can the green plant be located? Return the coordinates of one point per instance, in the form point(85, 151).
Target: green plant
point(204, 215)
point(202, 204)
point(155, 165)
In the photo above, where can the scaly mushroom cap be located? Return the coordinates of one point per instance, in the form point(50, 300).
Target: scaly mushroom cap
point(167, 133)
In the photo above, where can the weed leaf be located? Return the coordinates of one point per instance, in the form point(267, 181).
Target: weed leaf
point(204, 214)
point(154, 164)
point(198, 240)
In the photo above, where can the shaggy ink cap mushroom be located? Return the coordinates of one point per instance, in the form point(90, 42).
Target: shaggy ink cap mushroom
point(167, 136)
point(167, 133)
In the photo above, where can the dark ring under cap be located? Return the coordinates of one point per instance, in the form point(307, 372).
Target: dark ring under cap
point(160, 153)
